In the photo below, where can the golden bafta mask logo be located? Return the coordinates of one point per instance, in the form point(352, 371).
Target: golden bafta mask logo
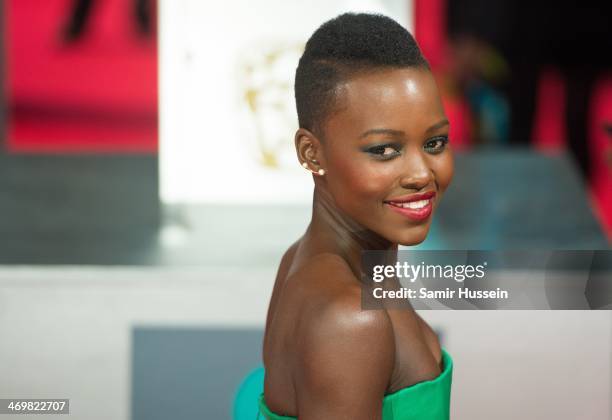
point(267, 73)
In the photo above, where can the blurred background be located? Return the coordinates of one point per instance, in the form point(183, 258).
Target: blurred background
point(148, 189)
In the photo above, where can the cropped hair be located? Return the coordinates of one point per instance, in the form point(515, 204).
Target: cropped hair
point(342, 47)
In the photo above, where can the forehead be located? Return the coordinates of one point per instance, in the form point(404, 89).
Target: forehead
point(405, 99)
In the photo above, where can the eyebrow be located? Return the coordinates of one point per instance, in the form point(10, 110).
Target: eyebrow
point(437, 125)
point(381, 131)
point(399, 133)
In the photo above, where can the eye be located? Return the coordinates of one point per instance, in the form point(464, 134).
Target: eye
point(436, 144)
point(384, 151)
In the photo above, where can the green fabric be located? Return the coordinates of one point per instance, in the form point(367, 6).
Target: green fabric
point(245, 402)
point(429, 400)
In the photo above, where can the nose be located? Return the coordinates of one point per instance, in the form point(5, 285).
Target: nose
point(417, 173)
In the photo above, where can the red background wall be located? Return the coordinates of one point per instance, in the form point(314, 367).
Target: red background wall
point(98, 94)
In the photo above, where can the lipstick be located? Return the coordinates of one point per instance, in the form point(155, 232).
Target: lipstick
point(417, 207)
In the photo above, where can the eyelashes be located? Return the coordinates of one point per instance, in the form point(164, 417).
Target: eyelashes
point(388, 151)
point(384, 151)
point(436, 145)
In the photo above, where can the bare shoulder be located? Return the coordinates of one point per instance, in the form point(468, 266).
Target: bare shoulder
point(346, 356)
point(341, 327)
point(337, 302)
point(326, 264)
point(290, 252)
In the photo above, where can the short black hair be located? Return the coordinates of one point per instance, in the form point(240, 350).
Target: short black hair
point(342, 47)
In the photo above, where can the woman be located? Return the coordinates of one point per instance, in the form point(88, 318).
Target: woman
point(374, 134)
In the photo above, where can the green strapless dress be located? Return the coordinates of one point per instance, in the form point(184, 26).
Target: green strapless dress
point(428, 400)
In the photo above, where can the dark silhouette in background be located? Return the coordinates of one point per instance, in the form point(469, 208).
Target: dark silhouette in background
point(81, 13)
point(532, 36)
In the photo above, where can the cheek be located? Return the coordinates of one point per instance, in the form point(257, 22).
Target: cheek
point(360, 179)
point(443, 168)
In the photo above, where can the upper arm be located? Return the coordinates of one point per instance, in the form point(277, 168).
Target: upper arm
point(346, 360)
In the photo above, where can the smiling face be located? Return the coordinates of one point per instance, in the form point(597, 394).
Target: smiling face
point(385, 152)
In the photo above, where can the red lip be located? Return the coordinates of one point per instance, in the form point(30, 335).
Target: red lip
point(412, 197)
point(414, 214)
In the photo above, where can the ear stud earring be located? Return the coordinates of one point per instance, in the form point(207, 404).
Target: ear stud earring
point(319, 172)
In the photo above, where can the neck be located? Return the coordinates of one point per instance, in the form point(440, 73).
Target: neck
point(333, 230)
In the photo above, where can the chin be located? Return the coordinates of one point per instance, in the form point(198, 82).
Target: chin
point(413, 236)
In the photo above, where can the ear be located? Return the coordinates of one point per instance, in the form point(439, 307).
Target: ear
point(309, 150)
